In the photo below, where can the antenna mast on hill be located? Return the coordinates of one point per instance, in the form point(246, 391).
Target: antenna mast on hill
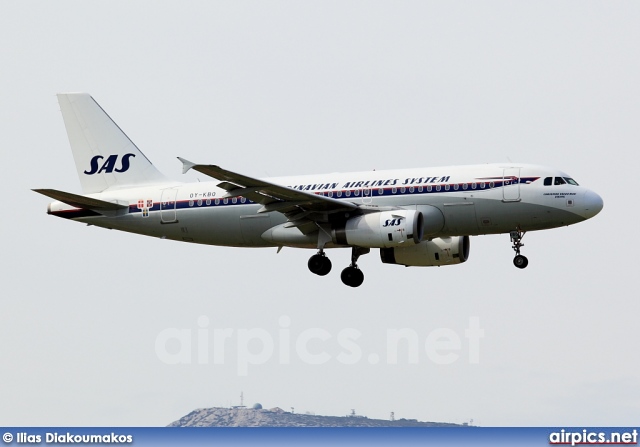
point(241, 398)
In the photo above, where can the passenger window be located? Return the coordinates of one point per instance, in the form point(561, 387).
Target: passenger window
point(547, 181)
point(559, 181)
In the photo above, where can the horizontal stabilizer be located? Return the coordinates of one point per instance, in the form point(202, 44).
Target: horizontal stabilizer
point(81, 201)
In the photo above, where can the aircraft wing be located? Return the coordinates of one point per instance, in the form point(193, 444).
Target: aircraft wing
point(302, 209)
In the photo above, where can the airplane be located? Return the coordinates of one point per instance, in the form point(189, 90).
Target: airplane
point(415, 217)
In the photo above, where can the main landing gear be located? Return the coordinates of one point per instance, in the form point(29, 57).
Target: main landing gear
point(519, 261)
point(351, 276)
point(319, 263)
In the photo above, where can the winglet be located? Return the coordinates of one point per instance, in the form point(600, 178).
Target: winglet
point(186, 165)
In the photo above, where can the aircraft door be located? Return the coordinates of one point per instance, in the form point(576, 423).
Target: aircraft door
point(168, 206)
point(511, 185)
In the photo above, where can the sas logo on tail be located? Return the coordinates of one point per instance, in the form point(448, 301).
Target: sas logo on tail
point(109, 165)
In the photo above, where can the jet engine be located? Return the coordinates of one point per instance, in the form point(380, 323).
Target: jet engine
point(436, 252)
point(381, 229)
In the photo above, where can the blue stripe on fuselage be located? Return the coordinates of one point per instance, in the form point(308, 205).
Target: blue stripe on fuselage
point(354, 193)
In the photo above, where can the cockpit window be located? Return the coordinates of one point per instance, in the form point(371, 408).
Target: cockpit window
point(548, 181)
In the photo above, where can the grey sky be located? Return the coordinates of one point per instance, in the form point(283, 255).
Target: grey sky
point(278, 88)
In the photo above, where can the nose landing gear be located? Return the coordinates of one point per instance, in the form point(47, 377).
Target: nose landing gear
point(519, 261)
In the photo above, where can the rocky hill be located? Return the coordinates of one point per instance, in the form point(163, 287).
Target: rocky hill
point(276, 417)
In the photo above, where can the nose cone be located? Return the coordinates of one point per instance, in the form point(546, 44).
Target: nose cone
point(592, 204)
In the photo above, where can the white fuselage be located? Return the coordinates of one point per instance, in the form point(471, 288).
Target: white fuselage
point(461, 200)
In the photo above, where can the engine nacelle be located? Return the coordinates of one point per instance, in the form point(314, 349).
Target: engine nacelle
point(436, 252)
point(381, 229)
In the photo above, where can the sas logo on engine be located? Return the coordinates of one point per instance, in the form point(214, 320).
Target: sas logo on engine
point(392, 222)
point(109, 165)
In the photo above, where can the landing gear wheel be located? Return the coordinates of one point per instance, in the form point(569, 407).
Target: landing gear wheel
point(319, 264)
point(352, 276)
point(520, 261)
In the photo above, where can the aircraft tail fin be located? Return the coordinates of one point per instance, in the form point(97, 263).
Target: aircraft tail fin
point(105, 157)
